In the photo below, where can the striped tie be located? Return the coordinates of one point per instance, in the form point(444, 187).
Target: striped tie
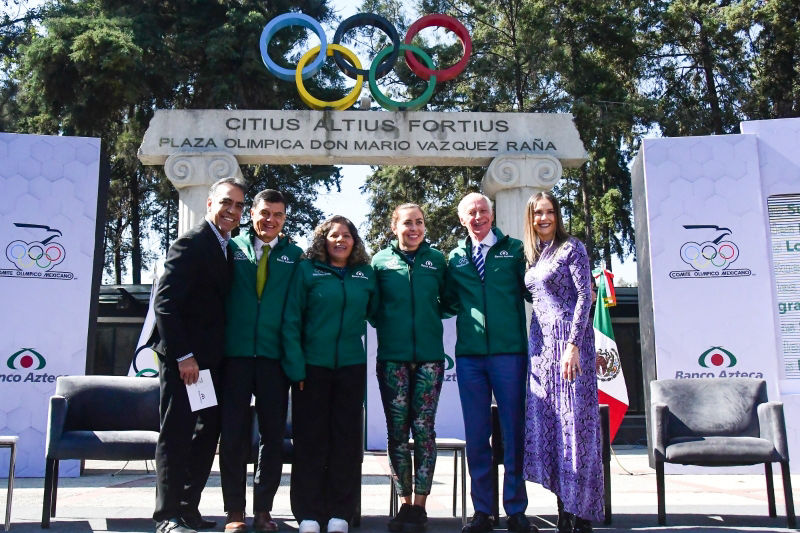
point(478, 257)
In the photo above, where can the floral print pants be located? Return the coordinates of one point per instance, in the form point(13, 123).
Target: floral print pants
point(410, 394)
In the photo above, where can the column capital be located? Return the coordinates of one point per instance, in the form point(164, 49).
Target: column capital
point(190, 169)
point(192, 173)
point(521, 171)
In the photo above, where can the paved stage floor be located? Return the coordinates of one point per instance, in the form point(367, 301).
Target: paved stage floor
point(106, 500)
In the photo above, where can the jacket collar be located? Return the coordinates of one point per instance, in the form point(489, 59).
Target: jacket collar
point(466, 243)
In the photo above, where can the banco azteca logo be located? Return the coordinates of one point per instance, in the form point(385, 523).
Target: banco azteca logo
point(26, 359)
point(36, 258)
point(716, 357)
point(710, 253)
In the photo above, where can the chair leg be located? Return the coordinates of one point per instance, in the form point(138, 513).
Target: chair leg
point(463, 486)
point(662, 514)
point(10, 491)
point(48, 492)
point(455, 478)
point(770, 490)
point(55, 488)
point(791, 521)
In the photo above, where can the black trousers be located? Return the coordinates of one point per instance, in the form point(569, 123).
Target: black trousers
point(328, 443)
point(186, 446)
point(241, 378)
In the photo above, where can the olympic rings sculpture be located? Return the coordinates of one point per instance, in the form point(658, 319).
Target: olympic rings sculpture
point(417, 59)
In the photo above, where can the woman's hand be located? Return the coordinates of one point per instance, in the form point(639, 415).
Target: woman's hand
point(570, 362)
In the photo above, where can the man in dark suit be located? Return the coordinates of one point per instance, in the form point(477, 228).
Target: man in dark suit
point(190, 336)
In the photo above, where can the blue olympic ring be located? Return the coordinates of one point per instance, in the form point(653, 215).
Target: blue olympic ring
point(284, 21)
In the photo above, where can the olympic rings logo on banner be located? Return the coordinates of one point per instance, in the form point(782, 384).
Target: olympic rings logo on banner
point(417, 59)
point(27, 255)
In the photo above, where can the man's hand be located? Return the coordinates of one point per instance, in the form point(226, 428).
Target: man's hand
point(189, 371)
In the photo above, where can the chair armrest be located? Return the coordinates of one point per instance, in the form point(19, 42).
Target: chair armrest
point(660, 414)
point(56, 418)
point(773, 427)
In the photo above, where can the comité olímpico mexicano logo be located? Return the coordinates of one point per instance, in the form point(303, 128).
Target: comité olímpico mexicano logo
point(709, 253)
point(27, 359)
point(36, 254)
point(715, 362)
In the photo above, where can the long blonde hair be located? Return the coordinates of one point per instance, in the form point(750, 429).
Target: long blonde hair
point(531, 241)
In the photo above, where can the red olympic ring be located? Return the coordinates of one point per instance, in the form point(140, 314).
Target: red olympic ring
point(444, 21)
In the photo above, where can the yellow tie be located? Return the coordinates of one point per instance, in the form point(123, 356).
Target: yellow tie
point(261, 273)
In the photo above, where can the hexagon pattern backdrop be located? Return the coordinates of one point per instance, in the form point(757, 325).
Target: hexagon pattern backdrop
point(712, 276)
point(48, 211)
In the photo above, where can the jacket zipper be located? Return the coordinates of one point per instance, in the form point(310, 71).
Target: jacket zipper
point(413, 314)
point(341, 323)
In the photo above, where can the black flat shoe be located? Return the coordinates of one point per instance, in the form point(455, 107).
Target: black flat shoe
point(395, 525)
point(582, 526)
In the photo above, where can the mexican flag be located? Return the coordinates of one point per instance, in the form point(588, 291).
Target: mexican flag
point(611, 388)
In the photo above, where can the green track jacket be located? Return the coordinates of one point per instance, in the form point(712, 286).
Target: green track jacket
point(326, 317)
point(253, 327)
point(408, 321)
point(490, 312)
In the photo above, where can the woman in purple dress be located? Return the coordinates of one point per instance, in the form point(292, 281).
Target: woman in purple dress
point(562, 419)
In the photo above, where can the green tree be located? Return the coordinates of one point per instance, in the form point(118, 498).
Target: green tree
point(100, 68)
point(700, 66)
point(776, 50)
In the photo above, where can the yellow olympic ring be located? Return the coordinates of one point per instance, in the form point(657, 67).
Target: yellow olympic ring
point(315, 103)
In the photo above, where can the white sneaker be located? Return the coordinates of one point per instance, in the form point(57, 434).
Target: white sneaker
point(309, 526)
point(337, 525)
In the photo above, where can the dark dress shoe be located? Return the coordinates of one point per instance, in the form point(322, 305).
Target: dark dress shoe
point(263, 523)
point(173, 525)
point(198, 522)
point(480, 523)
point(234, 522)
point(519, 523)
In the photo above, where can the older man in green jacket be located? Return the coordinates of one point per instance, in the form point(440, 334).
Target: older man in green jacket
point(485, 288)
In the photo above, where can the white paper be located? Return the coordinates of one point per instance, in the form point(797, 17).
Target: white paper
point(201, 394)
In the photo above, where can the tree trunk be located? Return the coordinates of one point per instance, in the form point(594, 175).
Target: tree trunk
point(136, 230)
point(707, 62)
point(587, 212)
point(118, 251)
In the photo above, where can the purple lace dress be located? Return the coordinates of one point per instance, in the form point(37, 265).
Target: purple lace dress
point(562, 420)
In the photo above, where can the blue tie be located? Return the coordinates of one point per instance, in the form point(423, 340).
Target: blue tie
point(478, 257)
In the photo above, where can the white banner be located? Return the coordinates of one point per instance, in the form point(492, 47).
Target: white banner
point(449, 423)
point(48, 210)
point(715, 312)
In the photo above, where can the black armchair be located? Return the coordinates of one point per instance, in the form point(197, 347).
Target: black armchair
point(98, 417)
point(719, 422)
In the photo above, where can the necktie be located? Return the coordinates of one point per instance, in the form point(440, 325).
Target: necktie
point(478, 257)
point(261, 273)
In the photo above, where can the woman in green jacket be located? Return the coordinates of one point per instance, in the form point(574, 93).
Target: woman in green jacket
point(331, 296)
point(410, 364)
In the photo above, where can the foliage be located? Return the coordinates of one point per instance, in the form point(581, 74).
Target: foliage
point(101, 67)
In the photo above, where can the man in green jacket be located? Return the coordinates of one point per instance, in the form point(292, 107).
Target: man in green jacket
point(485, 289)
point(263, 264)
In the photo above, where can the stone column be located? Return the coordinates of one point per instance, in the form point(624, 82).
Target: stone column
point(192, 173)
point(511, 179)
